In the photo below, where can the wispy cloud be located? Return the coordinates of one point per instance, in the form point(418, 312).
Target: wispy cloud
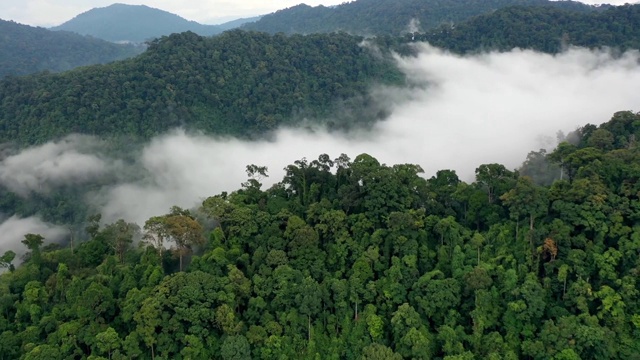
point(465, 111)
point(13, 229)
point(72, 160)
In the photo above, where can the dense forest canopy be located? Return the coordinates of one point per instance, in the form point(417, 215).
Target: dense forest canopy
point(541, 28)
point(354, 259)
point(390, 17)
point(242, 83)
point(342, 258)
point(537, 24)
point(239, 83)
point(26, 50)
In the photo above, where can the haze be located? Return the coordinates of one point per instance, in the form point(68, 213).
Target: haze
point(462, 112)
point(13, 229)
point(54, 12)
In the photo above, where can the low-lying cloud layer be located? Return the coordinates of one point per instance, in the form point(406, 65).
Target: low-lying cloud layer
point(70, 161)
point(465, 111)
point(469, 111)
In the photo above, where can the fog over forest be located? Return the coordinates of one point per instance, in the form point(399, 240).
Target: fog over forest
point(460, 112)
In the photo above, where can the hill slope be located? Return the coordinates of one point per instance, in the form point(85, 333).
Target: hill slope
point(393, 17)
point(25, 50)
point(542, 28)
point(358, 258)
point(237, 23)
point(135, 23)
point(237, 83)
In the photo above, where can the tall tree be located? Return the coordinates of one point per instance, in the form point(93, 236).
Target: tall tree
point(527, 199)
point(185, 231)
point(33, 243)
point(120, 235)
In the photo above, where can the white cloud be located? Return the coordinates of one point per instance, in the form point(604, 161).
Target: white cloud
point(495, 107)
point(69, 161)
point(185, 169)
point(465, 111)
point(469, 111)
point(13, 230)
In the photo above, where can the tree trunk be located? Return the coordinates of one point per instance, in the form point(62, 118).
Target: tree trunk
point(71, 239)
point(531, 233)
point(531, 220)
point(356, 318)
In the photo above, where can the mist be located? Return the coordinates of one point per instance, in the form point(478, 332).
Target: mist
point(73, 160)
point(459, 113)
point(13, 230)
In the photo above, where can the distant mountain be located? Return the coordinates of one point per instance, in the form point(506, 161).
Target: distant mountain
point(542, 28)
point(26, 49)
point(388, 17)
point(237, 23)
point(134, 23)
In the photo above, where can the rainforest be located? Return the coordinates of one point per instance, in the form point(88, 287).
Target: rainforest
point(465, 190)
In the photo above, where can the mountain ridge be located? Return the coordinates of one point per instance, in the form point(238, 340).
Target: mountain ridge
point(26, 49)
point(133, 23)
point(389, 17)
point(544, 29)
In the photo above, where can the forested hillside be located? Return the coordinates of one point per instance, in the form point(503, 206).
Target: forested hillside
point(345, 257)
point(25, 50)
point(354, 259)
point(237, 23)
point(389, 17)
point(244, 83)
point(135, 23)
point(238, 83)
point(542, 28)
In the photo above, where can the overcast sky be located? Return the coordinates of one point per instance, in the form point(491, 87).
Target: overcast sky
point(55, 12)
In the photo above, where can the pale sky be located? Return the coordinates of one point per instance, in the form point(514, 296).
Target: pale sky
point(54, 12)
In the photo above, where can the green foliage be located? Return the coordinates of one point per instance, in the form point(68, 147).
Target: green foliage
point(235, 348)
point(357, 260)
point(26, 50)
point(547, 29)
point(108, 341)
point(377, 351)
point(388, 17)
point(6, 260)
point(238, 83)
